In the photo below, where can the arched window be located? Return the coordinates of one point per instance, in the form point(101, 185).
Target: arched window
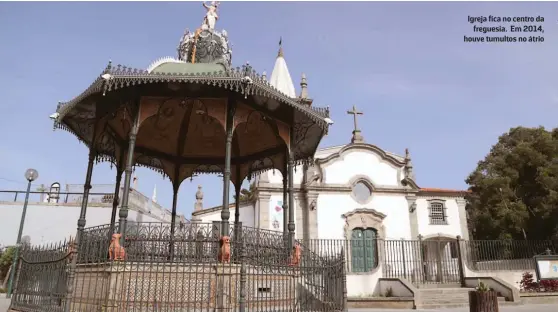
point(54, 194)
point(364, 251)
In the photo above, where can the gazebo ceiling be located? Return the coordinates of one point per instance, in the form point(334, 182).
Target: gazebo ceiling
point(182, 120)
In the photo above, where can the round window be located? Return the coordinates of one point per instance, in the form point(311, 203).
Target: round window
point(361, 192)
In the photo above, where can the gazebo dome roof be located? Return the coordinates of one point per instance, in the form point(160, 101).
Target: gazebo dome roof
point(169, 65)
point(182, 107)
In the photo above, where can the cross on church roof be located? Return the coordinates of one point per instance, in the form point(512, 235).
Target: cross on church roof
point(357, 137)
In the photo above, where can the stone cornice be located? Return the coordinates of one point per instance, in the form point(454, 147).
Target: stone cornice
point(335, 188)
point(376, 214)
point(364, 147)
point(218, 208)
point(434, 192)
point(264, 195)
point(444, 196)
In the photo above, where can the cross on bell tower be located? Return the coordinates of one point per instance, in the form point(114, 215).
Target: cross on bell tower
point(357, 136)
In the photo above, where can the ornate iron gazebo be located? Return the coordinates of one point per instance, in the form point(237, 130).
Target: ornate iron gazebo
point(184, 116)
point(194, 114)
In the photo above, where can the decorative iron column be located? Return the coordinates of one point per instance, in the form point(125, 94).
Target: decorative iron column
point(225, 213)
point(173, 219)
point(115, 198)
point(291, 226)
point(123, 213)
point(285, 194)
point(238, 187)
point(237, 223)
point(74, 246)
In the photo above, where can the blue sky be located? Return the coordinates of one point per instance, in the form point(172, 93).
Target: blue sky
point(404, 64)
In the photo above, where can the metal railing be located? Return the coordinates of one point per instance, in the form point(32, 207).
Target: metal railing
point(182, 271)
point(61, 198)
point(435, 261)
point(183, 268)
point(502, 255)
point(99, 194)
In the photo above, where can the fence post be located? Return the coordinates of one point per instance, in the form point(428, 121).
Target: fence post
point(344, 281)
point(460, 262)
point(242, 299)
point(403, 258)
point(422, 274)
point(216, 235)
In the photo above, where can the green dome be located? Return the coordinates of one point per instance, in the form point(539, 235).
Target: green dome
point(183, 68)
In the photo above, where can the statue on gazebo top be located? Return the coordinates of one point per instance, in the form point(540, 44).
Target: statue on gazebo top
point(211, 16)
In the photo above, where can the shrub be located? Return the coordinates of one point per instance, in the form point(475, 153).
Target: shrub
point(6, 259)
point(549, 285)
point(528, 283)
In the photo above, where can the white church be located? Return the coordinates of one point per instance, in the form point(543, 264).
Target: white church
point(355, 191)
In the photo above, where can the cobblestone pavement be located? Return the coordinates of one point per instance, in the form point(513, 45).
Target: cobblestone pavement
point(5, 304)
point(521, 308)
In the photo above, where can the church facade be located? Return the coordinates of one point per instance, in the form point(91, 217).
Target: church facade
point(358, 197)
point(362, 200)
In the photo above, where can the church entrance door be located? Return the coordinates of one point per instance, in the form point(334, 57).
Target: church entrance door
point(363, 250)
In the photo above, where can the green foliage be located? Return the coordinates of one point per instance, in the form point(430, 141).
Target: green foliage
point(6, 259)
point(514, 190)
point(248, 196)
point(482, 287)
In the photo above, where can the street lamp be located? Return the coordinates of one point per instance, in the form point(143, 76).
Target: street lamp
point(30, 175)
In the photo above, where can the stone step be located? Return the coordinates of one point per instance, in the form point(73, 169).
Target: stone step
point(449, 305)
point(444, 290)
point(442, 306)
point(446, 303)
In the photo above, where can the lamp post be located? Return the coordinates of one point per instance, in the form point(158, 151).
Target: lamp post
point(31, 175)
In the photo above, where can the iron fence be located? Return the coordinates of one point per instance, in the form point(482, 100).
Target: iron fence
point(437, 260)
point(42, 278)
point(60, 198)
point(182, 269)
point(501, 255)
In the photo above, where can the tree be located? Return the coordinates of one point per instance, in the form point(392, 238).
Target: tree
point(6, 260)
point(248, 195)
point(514, 190)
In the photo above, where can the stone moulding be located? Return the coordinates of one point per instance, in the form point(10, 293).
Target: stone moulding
point(364, 218)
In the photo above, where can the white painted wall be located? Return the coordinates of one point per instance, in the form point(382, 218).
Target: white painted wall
point(365, 163)
point(273, 201)
point(246, 215)
point(363, 285)
point(331, 207)
point(275, 176)
point(452, 229)
point(46, 223)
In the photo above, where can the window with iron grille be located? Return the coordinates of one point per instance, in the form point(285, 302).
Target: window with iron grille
point(437, 213)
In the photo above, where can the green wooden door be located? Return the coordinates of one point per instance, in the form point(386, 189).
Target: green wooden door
point(363, 250)
point(357, 250)
point(369, 249)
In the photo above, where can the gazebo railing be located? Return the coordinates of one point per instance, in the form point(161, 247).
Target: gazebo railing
point(181, 272)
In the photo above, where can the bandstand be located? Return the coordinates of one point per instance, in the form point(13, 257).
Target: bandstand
point(184, 116)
